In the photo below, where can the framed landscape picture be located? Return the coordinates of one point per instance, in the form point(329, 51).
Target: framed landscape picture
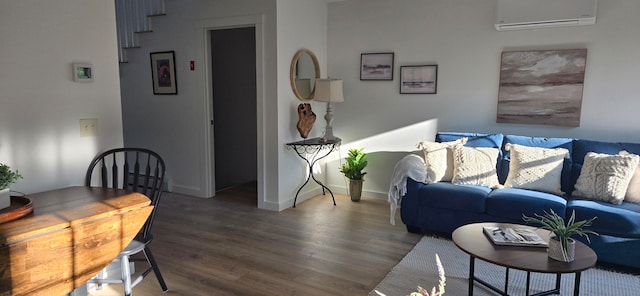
point(376, 66)
point(419, 79)
point(542, 87)
point(163, 73)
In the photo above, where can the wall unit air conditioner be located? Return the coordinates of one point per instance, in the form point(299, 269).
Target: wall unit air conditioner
point(531, 14)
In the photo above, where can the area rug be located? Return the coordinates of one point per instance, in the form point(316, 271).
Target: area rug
point(419, 268)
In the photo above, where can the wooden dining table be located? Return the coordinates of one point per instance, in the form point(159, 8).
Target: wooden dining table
point(71, 234)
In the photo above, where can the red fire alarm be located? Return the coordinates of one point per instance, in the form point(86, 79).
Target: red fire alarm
point(192, 65)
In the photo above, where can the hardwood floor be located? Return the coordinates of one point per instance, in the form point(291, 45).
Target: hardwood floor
point(226, 246)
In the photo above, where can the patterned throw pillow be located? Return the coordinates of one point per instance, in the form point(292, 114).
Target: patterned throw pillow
point(606, 177)
point(535, 168)
point(633, 191)
point(438, 159)
point(475, 166)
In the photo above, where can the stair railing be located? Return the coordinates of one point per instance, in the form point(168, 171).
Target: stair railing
point(132, 18)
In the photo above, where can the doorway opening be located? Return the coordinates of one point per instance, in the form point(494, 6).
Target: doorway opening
point(234, 104)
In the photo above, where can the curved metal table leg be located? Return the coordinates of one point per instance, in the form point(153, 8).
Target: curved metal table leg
point(314, 147)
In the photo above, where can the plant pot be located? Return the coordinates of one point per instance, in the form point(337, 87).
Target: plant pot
point(555, 250)
point(355, 189)
point(5, 198)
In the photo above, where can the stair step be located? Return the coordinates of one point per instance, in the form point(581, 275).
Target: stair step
point(133, 17)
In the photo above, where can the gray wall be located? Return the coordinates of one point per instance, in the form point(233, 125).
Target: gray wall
point(40, 104)
point(234, 106)
point(178, 126)
point(459, 36)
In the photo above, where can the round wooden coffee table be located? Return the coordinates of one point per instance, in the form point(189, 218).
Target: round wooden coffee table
point(471, 239)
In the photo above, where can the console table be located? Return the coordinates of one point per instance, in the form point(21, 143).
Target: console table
point(311, 151)
point(72, 234)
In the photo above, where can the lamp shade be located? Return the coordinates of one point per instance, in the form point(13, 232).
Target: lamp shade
point(328, 90)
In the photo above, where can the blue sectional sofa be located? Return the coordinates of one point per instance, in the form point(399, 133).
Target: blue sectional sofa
point(442, 206)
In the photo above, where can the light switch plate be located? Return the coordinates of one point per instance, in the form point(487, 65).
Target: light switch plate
point(88, 127)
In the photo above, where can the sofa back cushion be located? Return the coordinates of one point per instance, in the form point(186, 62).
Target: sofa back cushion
point(535, 168)
point(606, 177)
point(473, 139)
point(582, 147)
point(476, 140)
point(566, 182)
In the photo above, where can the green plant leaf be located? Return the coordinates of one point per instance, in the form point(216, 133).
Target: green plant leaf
point(355, 162)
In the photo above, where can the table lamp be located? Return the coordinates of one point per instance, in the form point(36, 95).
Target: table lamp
point(330, 91)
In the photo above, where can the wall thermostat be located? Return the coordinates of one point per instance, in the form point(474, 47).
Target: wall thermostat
point(82, 72)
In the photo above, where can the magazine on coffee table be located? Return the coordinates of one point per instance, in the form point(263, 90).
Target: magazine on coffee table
point(507, 236)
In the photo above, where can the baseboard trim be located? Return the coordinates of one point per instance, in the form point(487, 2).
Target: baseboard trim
point(365, 193)
point(186, 190)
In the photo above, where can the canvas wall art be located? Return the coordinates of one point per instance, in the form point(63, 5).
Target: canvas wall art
point(542, 87)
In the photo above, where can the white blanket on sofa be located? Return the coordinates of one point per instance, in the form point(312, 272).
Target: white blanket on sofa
point(411, 166)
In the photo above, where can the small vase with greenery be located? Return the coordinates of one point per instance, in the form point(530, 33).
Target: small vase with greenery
point(355, 162)
point(562, 232)
point(7, 176)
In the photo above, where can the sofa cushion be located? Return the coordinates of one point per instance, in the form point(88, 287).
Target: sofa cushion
point(581, 147)
point(606, 177)
point(633, 191)
point(444, 195)
point(438, 159)
point(619, 220)
point(475, 166)
point(535, 168)
point(567, 143)
point(473, 139)
point(512, 203)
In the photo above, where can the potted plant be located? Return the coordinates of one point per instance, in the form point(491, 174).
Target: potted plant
point(7, 177)
point(355, 162)
point(561, 245)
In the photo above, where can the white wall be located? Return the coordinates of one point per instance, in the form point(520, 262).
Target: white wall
point(301, 24)
point(459, 36)
point(177, 126)
point(40, 105)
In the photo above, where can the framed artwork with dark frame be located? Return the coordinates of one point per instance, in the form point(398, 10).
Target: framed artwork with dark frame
point(419, 79)
point(376, 66)
point(163, 73)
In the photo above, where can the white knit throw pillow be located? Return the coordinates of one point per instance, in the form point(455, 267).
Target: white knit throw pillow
point(475, 166)
point(633, 191)
point(606, 177)
point(438, 159)
point(535, 168)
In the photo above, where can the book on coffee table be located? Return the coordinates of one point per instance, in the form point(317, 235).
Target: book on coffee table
point(508, 236)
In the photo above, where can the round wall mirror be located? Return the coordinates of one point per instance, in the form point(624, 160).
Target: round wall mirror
point(305, 69)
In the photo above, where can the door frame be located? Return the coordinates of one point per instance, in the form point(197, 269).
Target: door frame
point(256, 21)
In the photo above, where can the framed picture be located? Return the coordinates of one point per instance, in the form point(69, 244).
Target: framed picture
point(419, 79)
point(542, 87)
point(163, 73)
point(376, 66)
